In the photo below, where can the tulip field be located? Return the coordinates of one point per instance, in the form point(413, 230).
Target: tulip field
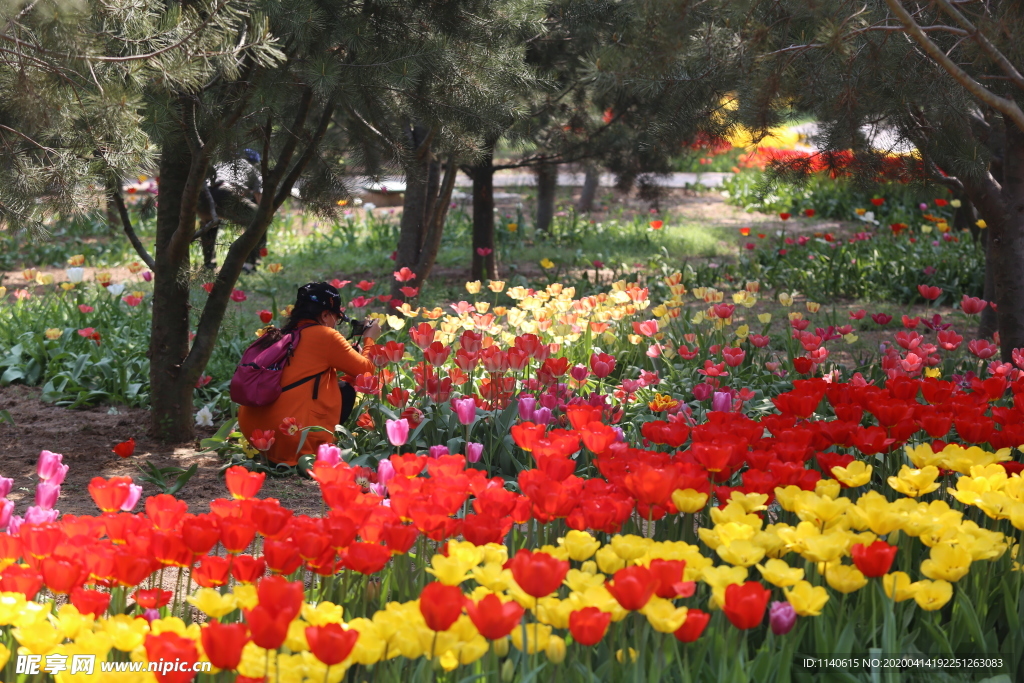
point(686, 475)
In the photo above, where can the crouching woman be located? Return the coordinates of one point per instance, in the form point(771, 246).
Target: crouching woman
point(311, 393)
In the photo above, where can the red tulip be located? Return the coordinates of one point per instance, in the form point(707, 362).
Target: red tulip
point(110, 494)
point(693, 627)
point(493, 618)
point(19, 579)
point(366, 558)
point(90, 601)
point(632, 587)
point(61, 574)
point(928, 292)
point(246, 568)
point(212, 571)
point(588, 625)
point(125, 449)
point(152, 598)
point(873, 560)
point(282, 556)
point(440, 605)
point(242, 483)
point(331, 643)
point(265, 316)
point(269, 627)
point(669, 575)
point(165, 511)
point(537, 573)
point(745, 604)
point(236, 534)
point(170, 647)
point(280, 595)
point(200, 534)
point(223, 643)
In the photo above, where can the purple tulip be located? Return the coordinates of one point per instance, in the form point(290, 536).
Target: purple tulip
point(781, 617)
point(474, 451)
point(6, 510)
point(47, 494)
point(465, 409)
point(150, 615)
point(703, 391)
point(620, 436)
point(542, 416)
point(134, 493)
point(147, 276)
point(438, 451)
point(721, 402)
point(51, 467)
point(328, 453)
point(6, 484)
point(579, 372)
point(398, 431)
point(385, 471)
point(37, 515)
point(526, 406)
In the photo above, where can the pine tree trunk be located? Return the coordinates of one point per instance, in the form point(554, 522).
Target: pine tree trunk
point(170, 391)
point(415, 204)
point(591, 180)
point(482, 173)
point(1007, 242)
point(988, 324)
point(547, 186)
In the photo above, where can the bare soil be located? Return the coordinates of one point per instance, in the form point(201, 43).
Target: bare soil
point(85, 438)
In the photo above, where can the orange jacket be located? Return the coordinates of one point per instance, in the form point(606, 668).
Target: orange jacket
point(321, 351)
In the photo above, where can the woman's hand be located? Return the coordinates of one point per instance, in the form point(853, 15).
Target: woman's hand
point(372, 331)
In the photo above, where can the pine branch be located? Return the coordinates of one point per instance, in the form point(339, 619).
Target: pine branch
point(991, 50)
point(1008, 108)
point(129, 230)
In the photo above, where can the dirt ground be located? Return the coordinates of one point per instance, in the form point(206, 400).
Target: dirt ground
point(85, 438)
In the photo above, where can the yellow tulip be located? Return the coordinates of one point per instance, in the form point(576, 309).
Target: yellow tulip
point(547, 263)
point(212, 603)
point(53, 333)
point(323, 613)
point(898, 586)
point(628, 547)
point(779, 573)
point(689, 500)
point(580, 545)
point(537, 638)
point(932, 595)
point(741, 553)
point(764, 318)
point(845, 578)
point(663, 615)
point(947, 562)
point(914, 483)
point(807, 600)
point(473, 287)
point(857, 473)
point(555, 649)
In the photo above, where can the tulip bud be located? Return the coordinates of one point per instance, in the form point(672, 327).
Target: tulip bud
point(620, 655)
point(508, 671)
point(474, 451)
point(500, 646)
point(373, 590)
point(781, 617)
point(556, 650)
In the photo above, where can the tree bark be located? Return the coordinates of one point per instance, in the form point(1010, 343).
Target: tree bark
point(989, 323)
point(170, 391)
point(435, 226)
point(1007, 242)
point(482, 174)
point(591, 181)
point(415, 203)
point(547, 186)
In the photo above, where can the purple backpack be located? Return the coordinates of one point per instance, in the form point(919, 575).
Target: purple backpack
point(257, 379)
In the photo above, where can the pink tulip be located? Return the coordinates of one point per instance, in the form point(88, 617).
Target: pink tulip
point(438, 451)
point(14, 523)
point(147, 276)
point(6, 484)
point(385, 472)
point(37, 515)
point(328, 453)
point(134, 493)
point(465, 409)
point(6, 510)
point(50, 467)
point(398, 431)
point(972, 305)
point(527, 404)
point(542, 416)
point(47, 494)
point(703, 391)
point(474, 451)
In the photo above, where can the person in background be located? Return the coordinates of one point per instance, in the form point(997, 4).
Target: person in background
point(318, 398)
point(232, 193)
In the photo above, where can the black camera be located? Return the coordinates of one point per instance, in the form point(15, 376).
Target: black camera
point(358, 326)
